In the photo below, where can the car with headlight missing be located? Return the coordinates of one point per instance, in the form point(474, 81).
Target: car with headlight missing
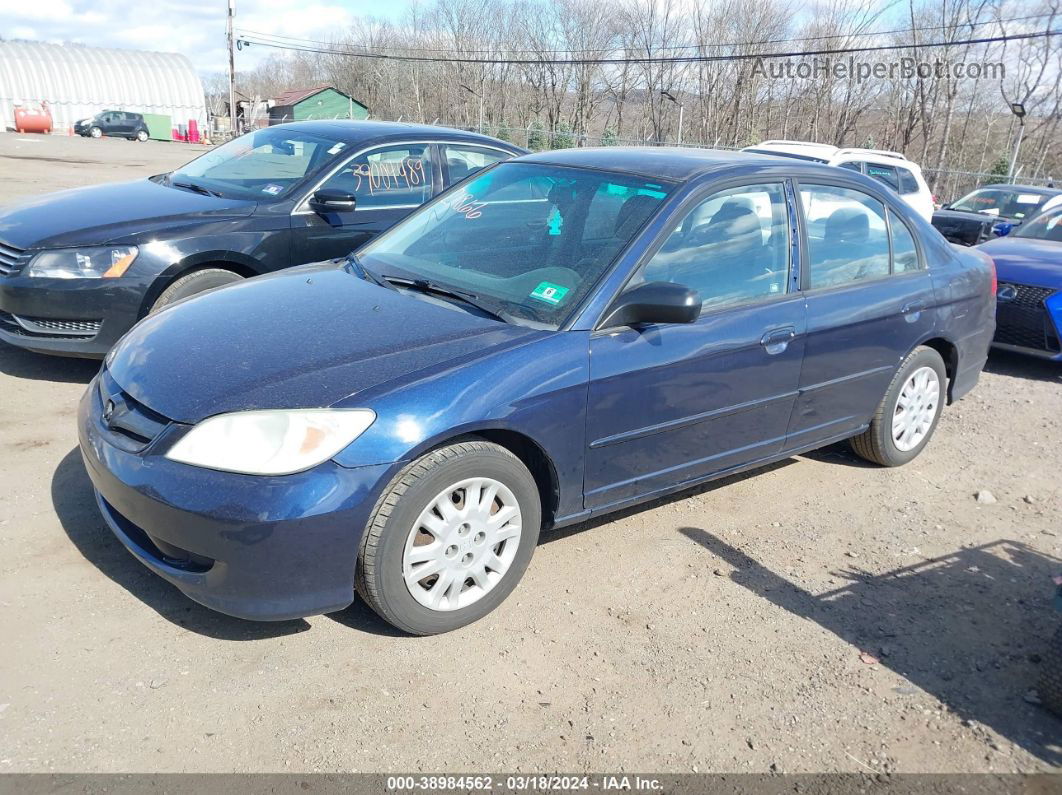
point(563, 335)
point(78, 268)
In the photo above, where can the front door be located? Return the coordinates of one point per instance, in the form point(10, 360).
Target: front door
point(671, 404)
point(388, 183)
point(870, 302)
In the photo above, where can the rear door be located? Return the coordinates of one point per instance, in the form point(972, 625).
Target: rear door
point(869, 302)
point(669, 404)
point(387, 181)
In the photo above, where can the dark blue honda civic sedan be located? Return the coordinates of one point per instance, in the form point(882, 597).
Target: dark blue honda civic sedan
point(557, 337)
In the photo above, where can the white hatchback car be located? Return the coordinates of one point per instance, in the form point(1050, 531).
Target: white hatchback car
point(892, 168)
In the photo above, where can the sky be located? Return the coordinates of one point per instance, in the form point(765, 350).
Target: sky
point(195, 28)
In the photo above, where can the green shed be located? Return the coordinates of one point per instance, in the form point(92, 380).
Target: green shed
point(319, 102)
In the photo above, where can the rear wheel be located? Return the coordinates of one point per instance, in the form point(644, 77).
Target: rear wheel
point(142, 136)
point(193, 283)
point(450, 538)
point(908, 413)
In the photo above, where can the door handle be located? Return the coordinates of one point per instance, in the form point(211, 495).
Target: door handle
point(913, 306)
point(777, 340)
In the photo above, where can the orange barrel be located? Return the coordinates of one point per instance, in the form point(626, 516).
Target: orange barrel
point(38, 121)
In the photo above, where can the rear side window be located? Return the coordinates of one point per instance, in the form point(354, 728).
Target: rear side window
point(904, 253)
point(853, 165)
point(848, 238)
point(908, 183)
point(463, 161)
point(885, 174)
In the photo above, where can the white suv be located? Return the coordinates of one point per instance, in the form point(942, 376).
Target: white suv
point(891, 168)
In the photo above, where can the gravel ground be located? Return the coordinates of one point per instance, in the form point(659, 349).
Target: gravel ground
point(819, 615)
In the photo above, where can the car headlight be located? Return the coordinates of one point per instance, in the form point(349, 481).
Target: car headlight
point(277, 442)
point(98, 262)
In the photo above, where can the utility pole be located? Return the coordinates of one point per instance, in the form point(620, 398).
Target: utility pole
point(232, 69)
point(1018, 110)
point(681, 107)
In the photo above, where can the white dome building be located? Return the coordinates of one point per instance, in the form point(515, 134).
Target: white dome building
point(78, 81)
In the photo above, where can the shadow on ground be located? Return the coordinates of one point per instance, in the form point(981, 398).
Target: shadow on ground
point(1018, 366)
point(966, 627)
point(76, 508)
point(42, 367)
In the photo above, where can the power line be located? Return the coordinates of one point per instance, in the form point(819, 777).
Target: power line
point(268, 39)
point(651, 59)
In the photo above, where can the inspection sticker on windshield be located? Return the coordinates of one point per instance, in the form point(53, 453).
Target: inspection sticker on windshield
point(272, 190)
point(550, 293)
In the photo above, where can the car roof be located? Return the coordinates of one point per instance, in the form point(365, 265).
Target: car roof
point(672, 163)
point(353, 132)
point(1025, 188)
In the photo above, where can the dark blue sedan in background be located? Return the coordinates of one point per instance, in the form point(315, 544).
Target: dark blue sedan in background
point(563, 335)
point(78, 268)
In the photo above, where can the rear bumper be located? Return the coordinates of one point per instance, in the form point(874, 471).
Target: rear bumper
point(261, 548)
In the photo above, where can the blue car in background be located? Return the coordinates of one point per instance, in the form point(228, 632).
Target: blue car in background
point(560, 336)
point(1029, 296)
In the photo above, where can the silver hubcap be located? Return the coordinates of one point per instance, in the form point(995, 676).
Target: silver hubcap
point(915, 409)
point(462, 544)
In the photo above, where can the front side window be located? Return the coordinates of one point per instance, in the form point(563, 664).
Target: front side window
point(529, 241)
point(390, 176)
point(848, 238)
point(1000, 202)
point(463, 161)
point(732, 248)
point(262, 165)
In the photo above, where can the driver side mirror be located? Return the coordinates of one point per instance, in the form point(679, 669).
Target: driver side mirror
point(654, 302)
point(330, 200)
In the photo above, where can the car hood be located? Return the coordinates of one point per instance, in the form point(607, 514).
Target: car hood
point(303, 338)
point(107, 213)
point(1026, 260)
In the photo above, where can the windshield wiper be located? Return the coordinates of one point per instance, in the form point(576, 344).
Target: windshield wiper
point(193, 187)
point(366, 274)
point(431, 288)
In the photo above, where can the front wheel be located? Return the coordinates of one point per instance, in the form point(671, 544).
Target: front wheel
point(450, 538)
point(192, 284)
point(96, 132)
point(908, 413)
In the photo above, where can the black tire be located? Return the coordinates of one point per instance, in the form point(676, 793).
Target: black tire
point(1050, 685)
point(876, 443)
point(95, 132)
point(193, 283)
point(141, 136)
point(379, 577)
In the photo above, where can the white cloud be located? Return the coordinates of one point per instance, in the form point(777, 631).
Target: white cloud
point(195, 28)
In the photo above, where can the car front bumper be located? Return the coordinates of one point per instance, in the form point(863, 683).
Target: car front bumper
point(1029, 320)
point(69, 317)
point(261, 548)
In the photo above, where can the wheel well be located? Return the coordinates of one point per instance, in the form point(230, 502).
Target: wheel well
point(169, 277)
point(950, 354)
point(537, 462)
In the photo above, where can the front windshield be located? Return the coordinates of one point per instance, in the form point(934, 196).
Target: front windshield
point(1002, 202)
point(1045, 227)
point(529, 241)
point(262, 165)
